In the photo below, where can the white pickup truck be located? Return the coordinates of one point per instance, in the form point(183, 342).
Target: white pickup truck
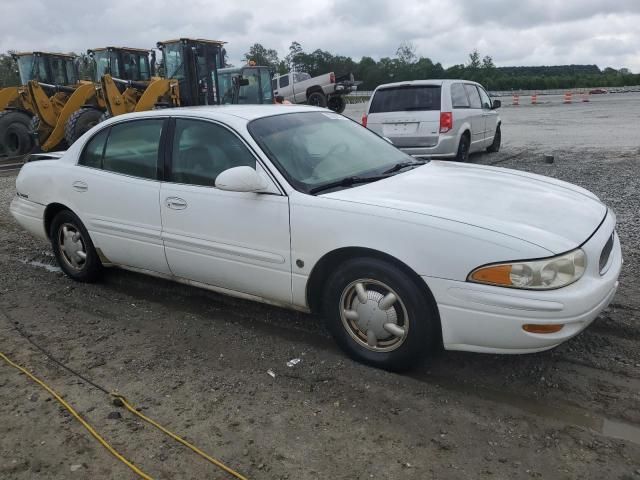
point(322, 91)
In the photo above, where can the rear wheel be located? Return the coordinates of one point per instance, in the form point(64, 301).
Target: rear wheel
point(497, 139)
point(317, 99)
point(463, 148)
point(80, 122)
point(15, 138)
point(379, 315)
point(73, 248)
point(337, 103)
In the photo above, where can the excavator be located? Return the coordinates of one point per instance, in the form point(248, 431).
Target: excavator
point(193, 75)
point(55, 73)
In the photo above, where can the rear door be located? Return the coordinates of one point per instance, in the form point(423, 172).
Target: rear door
point(476, 118)
point(408, 115)
point(117, 190)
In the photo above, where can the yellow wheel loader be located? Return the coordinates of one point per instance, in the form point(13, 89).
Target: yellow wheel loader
point(55, 72)
point(128, 64)
point(193, 75)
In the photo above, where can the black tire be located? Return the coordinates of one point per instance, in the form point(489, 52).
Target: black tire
point(87, 270)
point(80, 122)
point(421, 320)
point(317, 99)
point(497, 139)
point(463, 148)
point(15, 138)
point(337, 103)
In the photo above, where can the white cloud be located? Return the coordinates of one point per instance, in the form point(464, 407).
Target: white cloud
point(530, 32)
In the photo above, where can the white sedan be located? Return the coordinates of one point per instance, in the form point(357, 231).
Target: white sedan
point(303, 208)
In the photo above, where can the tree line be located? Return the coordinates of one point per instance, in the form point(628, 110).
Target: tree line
point(407, 65)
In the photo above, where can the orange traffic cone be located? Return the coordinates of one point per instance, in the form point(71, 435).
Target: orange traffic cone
point(516, 100)
point(534, 99)
point(568, 97)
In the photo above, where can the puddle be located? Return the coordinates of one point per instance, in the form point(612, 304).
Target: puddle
point(47, 266)
point(563, 413)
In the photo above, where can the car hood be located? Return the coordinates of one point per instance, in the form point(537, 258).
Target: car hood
point(549, 213)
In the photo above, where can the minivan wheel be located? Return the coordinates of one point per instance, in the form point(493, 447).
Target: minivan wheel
point(463, 149)
point(497, 139)
point(378, 314)
point(73, 248)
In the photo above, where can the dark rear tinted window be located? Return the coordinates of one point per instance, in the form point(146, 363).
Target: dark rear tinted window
point(402, 99)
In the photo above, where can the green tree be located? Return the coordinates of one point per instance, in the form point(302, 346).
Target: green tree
point(474, 60)
point(262, 56)
point(8, 71)
point(294, 58)
point(406, 53)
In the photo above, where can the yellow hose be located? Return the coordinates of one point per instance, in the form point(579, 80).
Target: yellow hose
point(71, 410)
point(119, 398)
point(121, 401)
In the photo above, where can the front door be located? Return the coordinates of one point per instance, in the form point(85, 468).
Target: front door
point(116, 192)
point(475, 118)
point(490, 117)
point(232, 240)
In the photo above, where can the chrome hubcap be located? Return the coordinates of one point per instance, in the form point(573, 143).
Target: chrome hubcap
point(374, 315)
point(72, 246)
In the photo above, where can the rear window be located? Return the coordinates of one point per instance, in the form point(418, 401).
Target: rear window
point(403, 99)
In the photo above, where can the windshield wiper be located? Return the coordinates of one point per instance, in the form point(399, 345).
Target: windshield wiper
point(401, 165)
point(346, 182)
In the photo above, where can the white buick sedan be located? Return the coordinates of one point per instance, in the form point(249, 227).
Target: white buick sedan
point(303, 208)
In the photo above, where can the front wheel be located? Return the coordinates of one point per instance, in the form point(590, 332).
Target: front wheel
point(379, 315)
point(317, 99)
point(497, 139)
point(73, 248)
point(337, 103)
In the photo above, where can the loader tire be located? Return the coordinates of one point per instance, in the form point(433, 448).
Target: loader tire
point(15, 138)
point(80, 122)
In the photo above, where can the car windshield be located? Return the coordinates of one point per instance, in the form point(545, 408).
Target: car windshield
point(406, 98)
point(312, 149)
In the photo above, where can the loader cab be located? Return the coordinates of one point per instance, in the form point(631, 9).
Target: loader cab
point(47, 68)
point(122, 63)
point(250, 84)
point(195, 64)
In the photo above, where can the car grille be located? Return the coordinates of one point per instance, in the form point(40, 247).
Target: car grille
point(606, 253)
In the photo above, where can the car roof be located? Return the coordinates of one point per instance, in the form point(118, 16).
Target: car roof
point(439, 82)
point(246, 112)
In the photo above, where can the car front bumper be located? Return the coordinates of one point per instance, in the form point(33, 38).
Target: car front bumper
point(489, 319)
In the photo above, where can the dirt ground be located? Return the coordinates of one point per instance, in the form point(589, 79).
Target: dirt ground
point(197, 362)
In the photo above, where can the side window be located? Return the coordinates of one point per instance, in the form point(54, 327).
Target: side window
point(274, 84)
point(202, 150)
point(284, 81)
point(132, 148)
point(459, 96)
point(92, 153)
point(474, 98)
point(484, 97)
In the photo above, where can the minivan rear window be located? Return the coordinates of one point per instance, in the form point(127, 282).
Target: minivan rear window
point(407, 98)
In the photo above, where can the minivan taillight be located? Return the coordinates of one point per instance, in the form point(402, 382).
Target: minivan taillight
point(446, 121)
point(364, 119)
point(332, 77)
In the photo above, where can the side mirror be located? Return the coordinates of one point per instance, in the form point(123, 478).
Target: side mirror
point(496, 104)
point(241, 179)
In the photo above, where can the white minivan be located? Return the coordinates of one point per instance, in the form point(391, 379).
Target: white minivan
point(435, 118)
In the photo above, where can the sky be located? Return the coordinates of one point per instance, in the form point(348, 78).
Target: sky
point(523, 32)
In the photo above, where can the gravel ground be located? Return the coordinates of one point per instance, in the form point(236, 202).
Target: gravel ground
point(197, 362)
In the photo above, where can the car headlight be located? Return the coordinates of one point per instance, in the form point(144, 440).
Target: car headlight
point(546, 274)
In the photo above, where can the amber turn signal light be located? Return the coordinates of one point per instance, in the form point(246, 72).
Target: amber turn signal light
point(531, 328)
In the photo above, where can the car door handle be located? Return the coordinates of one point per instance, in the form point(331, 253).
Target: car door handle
point(80, 186)
point(176, 203)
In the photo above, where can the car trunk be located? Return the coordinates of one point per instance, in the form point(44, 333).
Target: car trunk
point(407, 115)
